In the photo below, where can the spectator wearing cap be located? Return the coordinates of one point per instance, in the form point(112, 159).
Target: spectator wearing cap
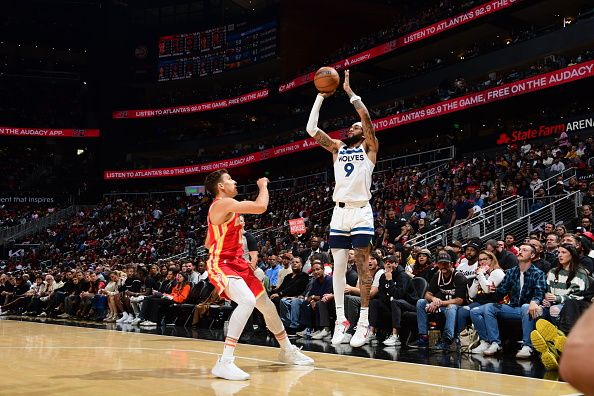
point(446, 292)
point(469, 263)
point(525, 286)
point(506, 259)
point(396, 294)
point(424, 267)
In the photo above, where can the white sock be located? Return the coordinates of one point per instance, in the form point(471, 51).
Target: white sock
point(341, 257)
point(364, 316)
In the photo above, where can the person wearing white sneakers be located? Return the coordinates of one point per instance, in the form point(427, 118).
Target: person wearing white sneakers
point(232, 276)
point(351, 226)
point(525, 286)
point(396, 293)
point(313, 311)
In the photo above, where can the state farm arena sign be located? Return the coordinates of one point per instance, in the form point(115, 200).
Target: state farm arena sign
point(544, 131)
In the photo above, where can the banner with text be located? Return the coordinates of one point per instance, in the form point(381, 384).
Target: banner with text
point(502, 92)
point(44, 132)
point(547, 130)
point(194, 108)
point(22, 198)
point(410, 38)
point(297, 226)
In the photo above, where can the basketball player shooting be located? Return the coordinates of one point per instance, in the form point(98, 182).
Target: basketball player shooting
point(232, 276)
point(352, 219)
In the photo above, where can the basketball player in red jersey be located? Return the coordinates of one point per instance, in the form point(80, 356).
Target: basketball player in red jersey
point(232, 276)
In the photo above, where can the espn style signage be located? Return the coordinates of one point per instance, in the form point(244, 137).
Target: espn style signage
point(502, 92)
point(543, 131)
point(44, 132)
point(194, 108)
point(297, 226)
point(480, 11)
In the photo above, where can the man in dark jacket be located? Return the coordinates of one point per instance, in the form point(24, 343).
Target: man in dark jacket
point(505, 258)
point(396, 294)
point(286, 297)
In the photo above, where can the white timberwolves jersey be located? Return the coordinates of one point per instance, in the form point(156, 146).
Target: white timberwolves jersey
point(352, 172)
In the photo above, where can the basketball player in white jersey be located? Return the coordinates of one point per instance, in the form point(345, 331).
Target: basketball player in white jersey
point(352, 220)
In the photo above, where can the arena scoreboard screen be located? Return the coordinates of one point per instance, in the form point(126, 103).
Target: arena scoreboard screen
point(213, 51)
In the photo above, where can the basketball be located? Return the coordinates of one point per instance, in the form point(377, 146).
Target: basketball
point(326, 79)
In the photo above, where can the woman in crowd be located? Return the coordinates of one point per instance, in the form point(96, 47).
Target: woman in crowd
point(560, 230)
point(41, 298)
point(153, 309)
point(423, 267)
point(488, 274)
point(567, 281)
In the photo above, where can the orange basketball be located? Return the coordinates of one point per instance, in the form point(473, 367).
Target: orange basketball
point(326, 79)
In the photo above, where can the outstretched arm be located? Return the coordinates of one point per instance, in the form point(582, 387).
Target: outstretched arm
point(320, 136)
point(222, 209)
point(368, 130)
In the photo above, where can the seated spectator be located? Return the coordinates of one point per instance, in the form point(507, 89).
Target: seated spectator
point(423, 267)
point(539, 261)
point(505, 259)
point(22, 300)
point(586, 261)
point(287, 296)
point(6, 288)
point(446, 292)
point(153, 309)
point(525, 287)
point(396, 294)
point(551, 246)
point(488, 274)
point(469, 263)
point(72, 301)
point(567, 281)
point(137, 284)
point(315, 308)
point(112, 292)
point(59, 295)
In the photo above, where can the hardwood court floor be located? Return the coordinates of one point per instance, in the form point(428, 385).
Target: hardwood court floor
point(47, 359)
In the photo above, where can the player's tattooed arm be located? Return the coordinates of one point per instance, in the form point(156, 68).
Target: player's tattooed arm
point(326, 141)
point(368, 129)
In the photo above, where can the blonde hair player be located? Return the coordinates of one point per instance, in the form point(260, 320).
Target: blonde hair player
point(352, 220)
point(232, 276)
